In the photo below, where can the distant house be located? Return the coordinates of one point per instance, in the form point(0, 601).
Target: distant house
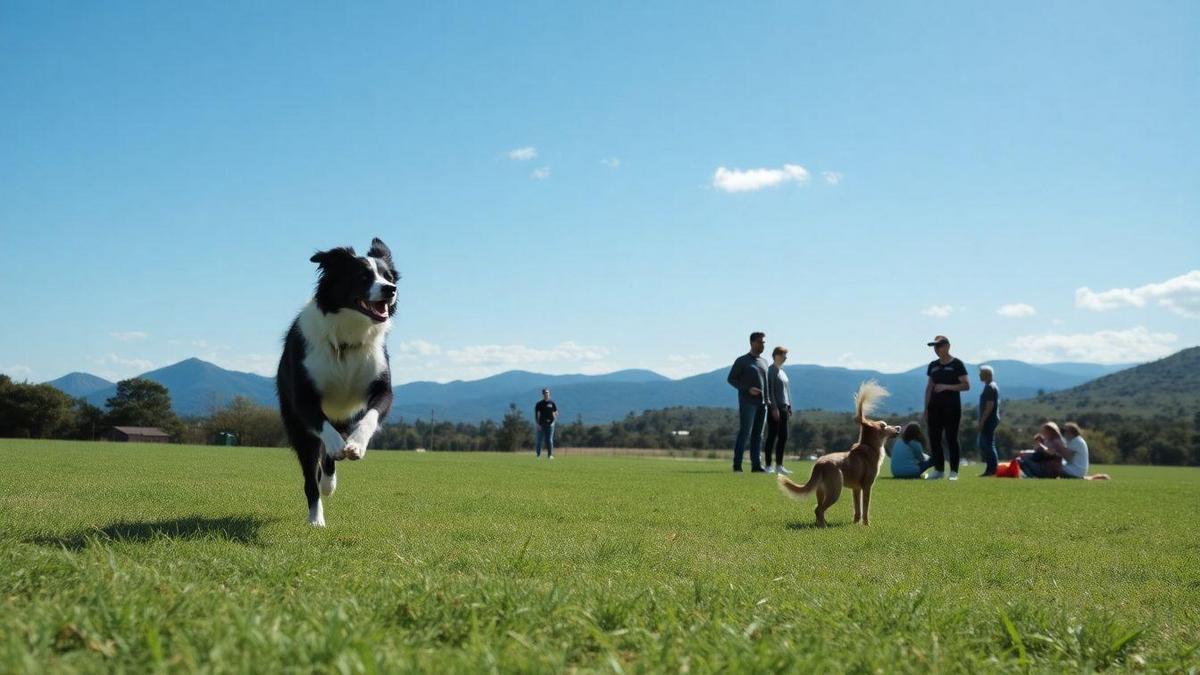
point(137, 435)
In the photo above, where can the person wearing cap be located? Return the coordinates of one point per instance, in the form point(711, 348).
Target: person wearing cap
point(545, 412)
point(749, 376)
point(943, 407)
point(989, 419)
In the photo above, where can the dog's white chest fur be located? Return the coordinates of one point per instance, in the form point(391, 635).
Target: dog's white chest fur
point(344, 356)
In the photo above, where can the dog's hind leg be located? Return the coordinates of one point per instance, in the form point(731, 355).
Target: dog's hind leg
point(827, 494)
point(310, 453)
point(866, 505)
point(328, 473)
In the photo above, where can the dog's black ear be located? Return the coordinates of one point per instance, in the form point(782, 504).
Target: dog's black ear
point(323, 258)
point(379, 250)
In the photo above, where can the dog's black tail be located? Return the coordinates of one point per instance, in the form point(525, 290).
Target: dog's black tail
point(795, 490)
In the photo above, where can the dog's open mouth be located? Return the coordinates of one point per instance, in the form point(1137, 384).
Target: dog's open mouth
point(376, 309)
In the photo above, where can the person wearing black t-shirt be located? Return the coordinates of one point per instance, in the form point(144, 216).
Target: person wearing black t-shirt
point(545, 413)
point(943, 407)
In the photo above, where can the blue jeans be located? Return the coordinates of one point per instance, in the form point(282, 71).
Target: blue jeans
point(545, 433)
point(987, 445)
point(750, 428)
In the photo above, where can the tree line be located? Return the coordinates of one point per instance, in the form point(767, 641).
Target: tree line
point(42, 411)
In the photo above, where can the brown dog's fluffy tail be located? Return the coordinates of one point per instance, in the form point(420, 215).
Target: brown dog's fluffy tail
point(792, 489)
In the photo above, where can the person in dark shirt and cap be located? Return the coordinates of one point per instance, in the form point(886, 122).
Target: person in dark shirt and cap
point(943, 406)
point(749, 376)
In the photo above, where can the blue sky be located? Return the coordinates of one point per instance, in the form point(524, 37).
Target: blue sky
point(573, 187)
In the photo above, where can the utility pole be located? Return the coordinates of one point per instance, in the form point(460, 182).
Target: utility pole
point(431, 423)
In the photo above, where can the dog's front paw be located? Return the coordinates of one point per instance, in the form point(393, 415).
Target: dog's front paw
point(354, 451)
point(335, 445)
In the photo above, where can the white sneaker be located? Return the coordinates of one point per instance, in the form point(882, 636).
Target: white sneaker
point(770, 469)
point(779, 469)
point(953, 475)
point(934, 475)
point(551, 457)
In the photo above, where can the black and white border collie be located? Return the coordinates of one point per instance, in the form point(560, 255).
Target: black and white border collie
point(334, 383)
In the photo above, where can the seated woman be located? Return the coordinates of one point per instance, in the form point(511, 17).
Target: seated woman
point(908, 453)
point(1046, 459)
point(1057, 455)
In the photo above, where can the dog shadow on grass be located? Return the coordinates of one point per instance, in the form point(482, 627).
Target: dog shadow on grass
point(241, 529)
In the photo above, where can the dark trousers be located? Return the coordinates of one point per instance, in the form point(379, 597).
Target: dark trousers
point(750, 430)
point(987, 446)
point(1040, 465)
point(545, 434)
point(777, 434)
point(944, 420)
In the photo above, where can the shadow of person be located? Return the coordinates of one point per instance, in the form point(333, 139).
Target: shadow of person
point(241, 529)
point(812, 525)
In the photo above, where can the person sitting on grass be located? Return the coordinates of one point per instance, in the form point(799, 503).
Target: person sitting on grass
point(908, 453)
point(1057, 455)
point(1046, 458)
point(1076, 455)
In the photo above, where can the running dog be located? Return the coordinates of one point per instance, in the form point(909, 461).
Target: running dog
point(856, 468)
point(334, 381)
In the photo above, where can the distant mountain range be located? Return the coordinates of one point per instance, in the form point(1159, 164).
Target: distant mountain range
point(197, 387)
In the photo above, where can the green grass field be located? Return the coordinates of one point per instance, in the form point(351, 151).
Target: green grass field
point(137, 558)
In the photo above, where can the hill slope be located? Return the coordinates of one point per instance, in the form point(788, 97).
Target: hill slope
point(80, 384)
point(198, 386)
point(1169, 386)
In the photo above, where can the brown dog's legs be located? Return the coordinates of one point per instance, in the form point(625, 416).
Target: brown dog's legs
point(867, 505)
point(820, 509)
point(858, 505)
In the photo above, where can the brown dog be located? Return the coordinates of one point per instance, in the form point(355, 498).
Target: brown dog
point(857, 468)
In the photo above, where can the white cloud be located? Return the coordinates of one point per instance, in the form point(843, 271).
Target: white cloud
point(750, 180)
point(1133, 345)
point(1016, 310)
point(17, 371)
point(129, 335)
point(682, 365)
point(523, 154)
point(832, 177)
point(116, 367)
point(938, 311)
point(1180, 295)
point(259, 364)
point(611, 162)
point(540, 174)
point(851, 361)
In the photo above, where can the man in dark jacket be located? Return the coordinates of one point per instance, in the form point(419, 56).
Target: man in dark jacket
point(749, 376)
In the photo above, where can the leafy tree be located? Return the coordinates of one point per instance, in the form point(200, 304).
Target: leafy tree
point(88, 422)
point(253, 424)
point(142, 403)
point(32, 410)
point(514, 430)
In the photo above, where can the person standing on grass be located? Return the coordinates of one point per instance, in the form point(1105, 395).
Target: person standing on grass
point(749, 376)
point(780, 412)
point(943, 407)
point(545, 413)
point(989, 419)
